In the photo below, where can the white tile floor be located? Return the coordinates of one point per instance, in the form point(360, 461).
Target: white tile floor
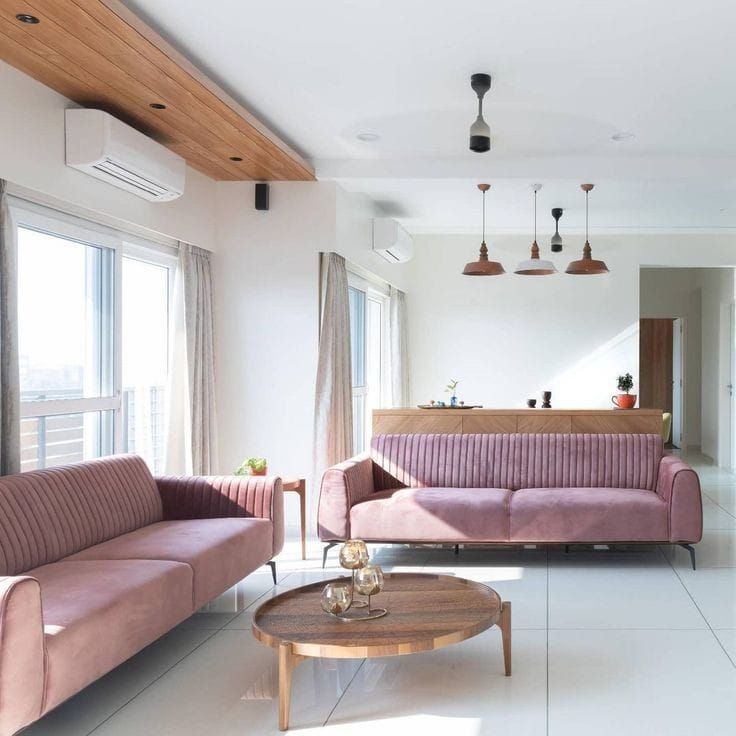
point(618, 642)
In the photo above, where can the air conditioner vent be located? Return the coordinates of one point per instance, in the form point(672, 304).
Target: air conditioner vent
point(102, 146)
point(391, 241)
point(126, 176)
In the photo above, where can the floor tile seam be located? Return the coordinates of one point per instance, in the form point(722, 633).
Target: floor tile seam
point(154, 681)
point(343, 693)
point(692, 598)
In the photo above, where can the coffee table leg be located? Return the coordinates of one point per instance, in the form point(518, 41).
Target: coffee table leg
point(287, 662)
point(505, 625)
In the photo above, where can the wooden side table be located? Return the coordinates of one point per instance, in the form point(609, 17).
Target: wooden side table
point(299, 486)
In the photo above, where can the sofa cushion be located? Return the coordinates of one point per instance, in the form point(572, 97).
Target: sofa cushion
point(516, 460)
point(433, 515)
point(220, 551)
point(96, 614)
point(588, 515)
point(48, 514)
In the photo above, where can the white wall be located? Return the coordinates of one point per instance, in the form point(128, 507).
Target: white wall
point(267, 314)
point(508, 338)
point(717, 288)
point(672, 293)
point(32, 157)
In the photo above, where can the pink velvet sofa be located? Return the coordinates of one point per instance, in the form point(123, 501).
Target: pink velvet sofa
point(99, 559)
point(512, 488)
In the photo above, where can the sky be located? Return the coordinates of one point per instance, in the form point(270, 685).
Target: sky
point(57, 328)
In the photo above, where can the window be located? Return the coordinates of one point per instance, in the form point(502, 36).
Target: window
point(145, 352)
point(93, 315)
point(368, 334)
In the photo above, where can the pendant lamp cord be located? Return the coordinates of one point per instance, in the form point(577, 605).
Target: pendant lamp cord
point(586, 216)
point(535, 215)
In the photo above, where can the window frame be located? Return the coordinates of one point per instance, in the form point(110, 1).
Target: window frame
point(374, 292)
point(117, 245)
point(156, 255)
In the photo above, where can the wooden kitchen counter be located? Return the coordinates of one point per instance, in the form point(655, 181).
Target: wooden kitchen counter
point(540, 421)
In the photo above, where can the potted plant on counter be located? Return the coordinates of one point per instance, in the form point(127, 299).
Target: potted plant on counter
point(625, 400)
point(451, 389)
point(253, 466)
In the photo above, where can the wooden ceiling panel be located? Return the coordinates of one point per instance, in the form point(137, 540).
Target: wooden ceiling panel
point(100, 55)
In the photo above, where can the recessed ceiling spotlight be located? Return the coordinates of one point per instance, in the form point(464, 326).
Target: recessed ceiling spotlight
point(368, 137)
point(622, 137)
point(157, 106)
point(26, 18)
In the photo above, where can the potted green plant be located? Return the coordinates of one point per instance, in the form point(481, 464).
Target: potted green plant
point(625, 400)
point(253, 466)
point(451, 389)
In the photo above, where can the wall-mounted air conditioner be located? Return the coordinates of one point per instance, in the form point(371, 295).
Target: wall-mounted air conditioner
point(391, 241)
point(104, 147)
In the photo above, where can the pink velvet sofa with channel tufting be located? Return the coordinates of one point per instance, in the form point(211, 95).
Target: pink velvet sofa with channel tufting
point(513, 489)
point(99, 559)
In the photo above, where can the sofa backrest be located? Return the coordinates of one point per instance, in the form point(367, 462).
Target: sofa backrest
point(48, 514)
point(516, 460)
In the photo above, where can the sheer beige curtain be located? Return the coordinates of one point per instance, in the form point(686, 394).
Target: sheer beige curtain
point(398, 348)
point(333, 413)
point(9, 370)
point(191, 446)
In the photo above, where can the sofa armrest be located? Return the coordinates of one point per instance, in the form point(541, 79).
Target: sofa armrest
point(213, 497)
point(678, 484)
point(21, 653)
point(343, 486)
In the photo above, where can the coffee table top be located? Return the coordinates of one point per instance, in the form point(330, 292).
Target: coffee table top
point(425, 612)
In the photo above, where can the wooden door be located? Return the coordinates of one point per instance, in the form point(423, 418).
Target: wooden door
point(655, 364)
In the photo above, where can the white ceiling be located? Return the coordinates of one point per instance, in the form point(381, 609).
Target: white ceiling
point(566, 77)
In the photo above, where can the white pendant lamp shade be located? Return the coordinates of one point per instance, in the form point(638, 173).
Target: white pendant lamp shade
point(535, 266)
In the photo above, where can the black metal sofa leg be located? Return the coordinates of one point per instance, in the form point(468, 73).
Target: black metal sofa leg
point(691, 550)
point(327, 548)
point(457, 549)
point(272, 565)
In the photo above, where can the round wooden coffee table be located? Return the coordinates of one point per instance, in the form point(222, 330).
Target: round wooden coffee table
point(425, 612)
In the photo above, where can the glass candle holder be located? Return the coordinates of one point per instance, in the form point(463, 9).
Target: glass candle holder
point(336, 598)
point(369, 581)
point(353, 556)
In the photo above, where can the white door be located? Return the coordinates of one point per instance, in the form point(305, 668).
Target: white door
point(732, 381)
point(677, 402)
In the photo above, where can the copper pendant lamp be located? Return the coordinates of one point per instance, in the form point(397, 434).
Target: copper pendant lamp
point(483, 267)
point(586, 266)
point(534, 266)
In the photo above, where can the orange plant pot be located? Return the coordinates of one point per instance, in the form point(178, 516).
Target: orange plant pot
point(258, 472)
point(624, 401)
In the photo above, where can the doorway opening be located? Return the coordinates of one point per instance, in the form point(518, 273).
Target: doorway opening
point(687, 357)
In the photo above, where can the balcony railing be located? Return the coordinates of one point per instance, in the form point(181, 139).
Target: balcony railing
point(58, 439)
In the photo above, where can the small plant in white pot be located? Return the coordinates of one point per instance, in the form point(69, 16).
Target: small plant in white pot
point(253, 466)
point(625, 400)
